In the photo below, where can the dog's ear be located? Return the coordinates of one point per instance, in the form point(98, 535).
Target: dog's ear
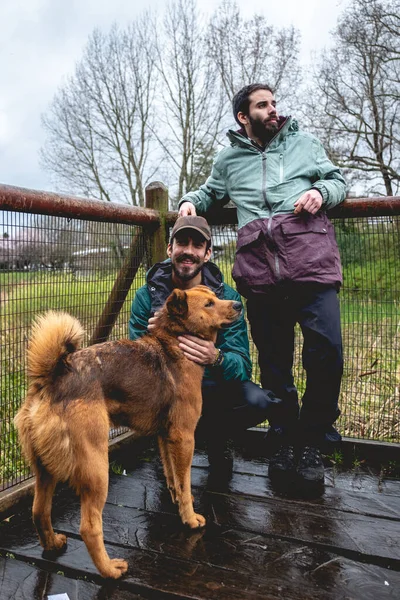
point(177, 304)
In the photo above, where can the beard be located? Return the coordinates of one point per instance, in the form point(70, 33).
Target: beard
point(187, 272)
point(264, 130)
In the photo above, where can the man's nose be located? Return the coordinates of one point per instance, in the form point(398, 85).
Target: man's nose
point(189, 248)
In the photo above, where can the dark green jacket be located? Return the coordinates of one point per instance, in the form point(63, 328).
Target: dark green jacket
point(233, 340)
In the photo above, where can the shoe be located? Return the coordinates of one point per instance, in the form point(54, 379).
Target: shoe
point(282, 464)
point(310, 467)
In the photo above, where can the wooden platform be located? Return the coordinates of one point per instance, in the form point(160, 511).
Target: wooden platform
point(258, 542)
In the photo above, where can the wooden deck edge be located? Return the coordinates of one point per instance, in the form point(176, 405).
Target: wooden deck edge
point(15, 497)
point(373, 451)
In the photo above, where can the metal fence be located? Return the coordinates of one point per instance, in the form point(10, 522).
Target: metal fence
point(370, 315)
point(91, 261)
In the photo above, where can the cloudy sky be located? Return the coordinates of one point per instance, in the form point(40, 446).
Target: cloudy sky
point(41, 41)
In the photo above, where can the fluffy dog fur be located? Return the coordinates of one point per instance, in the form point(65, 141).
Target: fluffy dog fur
point(75, 396)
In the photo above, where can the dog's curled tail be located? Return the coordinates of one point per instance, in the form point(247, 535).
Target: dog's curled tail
point(54, 335)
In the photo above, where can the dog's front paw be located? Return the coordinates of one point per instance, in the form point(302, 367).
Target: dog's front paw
point(196, 521)
point(115, 568)
point(59, 541)
point(57, 544)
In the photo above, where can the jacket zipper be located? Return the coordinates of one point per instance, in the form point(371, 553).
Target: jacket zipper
point(269, 228)
point(264, 179)
point(281, 168)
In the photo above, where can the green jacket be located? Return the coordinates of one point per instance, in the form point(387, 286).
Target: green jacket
point(275, 245)
point(233, 340)
point(267, 182)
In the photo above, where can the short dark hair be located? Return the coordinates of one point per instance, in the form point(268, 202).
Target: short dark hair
point(241, 102)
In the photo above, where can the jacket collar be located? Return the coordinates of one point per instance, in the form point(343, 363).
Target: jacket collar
point(159, 281)
point(239, 138)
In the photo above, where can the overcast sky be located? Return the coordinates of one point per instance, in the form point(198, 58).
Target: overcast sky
point(41, 41)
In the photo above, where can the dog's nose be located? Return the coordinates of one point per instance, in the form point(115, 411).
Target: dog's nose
point(237, 306)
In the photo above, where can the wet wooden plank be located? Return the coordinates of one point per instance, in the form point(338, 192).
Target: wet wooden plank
point(357, 536)
point(344, 491)
point(355, 480)
point(250, 478)
point(352, 527)
point(256, 545)
point(298, 572)
point(334, 499)
point(364, 483)
point(346, 531)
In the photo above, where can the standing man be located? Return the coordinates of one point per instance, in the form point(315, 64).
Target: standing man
point(287, 266)
point(231, 402)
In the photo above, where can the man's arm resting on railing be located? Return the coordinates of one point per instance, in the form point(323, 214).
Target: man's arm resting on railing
point(212, 192)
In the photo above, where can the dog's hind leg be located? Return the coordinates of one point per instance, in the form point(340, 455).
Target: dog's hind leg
point(181, 448)
point(93, 497)
point(45, 484)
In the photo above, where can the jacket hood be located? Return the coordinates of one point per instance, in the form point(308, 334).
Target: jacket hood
point(159, 281)
point(239, 137)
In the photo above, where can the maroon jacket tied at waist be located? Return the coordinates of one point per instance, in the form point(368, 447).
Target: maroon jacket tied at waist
point(286, 248)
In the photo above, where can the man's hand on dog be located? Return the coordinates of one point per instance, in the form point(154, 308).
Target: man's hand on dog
point(152, 321)
point(199, 351)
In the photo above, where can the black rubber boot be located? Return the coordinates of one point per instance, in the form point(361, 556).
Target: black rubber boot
point(282, 464)
point(310, 468)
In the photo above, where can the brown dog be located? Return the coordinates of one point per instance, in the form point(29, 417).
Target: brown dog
point(75, 395)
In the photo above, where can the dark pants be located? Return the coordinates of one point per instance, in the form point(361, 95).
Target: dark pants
point(232, 406)
point(272, 319)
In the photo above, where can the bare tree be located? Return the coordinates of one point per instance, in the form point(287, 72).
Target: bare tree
point(97, 127)
point(249, 51)
point(190, 96)
point(153, 91)
point(357, 106)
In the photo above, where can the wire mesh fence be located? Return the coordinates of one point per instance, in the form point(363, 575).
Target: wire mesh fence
point(54, 263)
point(370, 314)
point(59, 263)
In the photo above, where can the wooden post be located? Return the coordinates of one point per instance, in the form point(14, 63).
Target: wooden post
point(120, 289)
point(157, 198)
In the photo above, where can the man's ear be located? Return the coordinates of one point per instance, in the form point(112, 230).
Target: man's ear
point(176, 304)
point(207, 255)
point(244, 119)
point(169, 250)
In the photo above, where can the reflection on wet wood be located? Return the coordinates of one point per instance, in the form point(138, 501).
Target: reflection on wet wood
point(258, 543)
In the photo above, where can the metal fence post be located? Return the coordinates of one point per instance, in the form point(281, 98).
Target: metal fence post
point(157, 198)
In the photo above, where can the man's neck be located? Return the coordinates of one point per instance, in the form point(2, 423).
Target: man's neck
point(186, 284)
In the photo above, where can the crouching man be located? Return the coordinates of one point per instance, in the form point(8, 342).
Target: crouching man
point(231, 402)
